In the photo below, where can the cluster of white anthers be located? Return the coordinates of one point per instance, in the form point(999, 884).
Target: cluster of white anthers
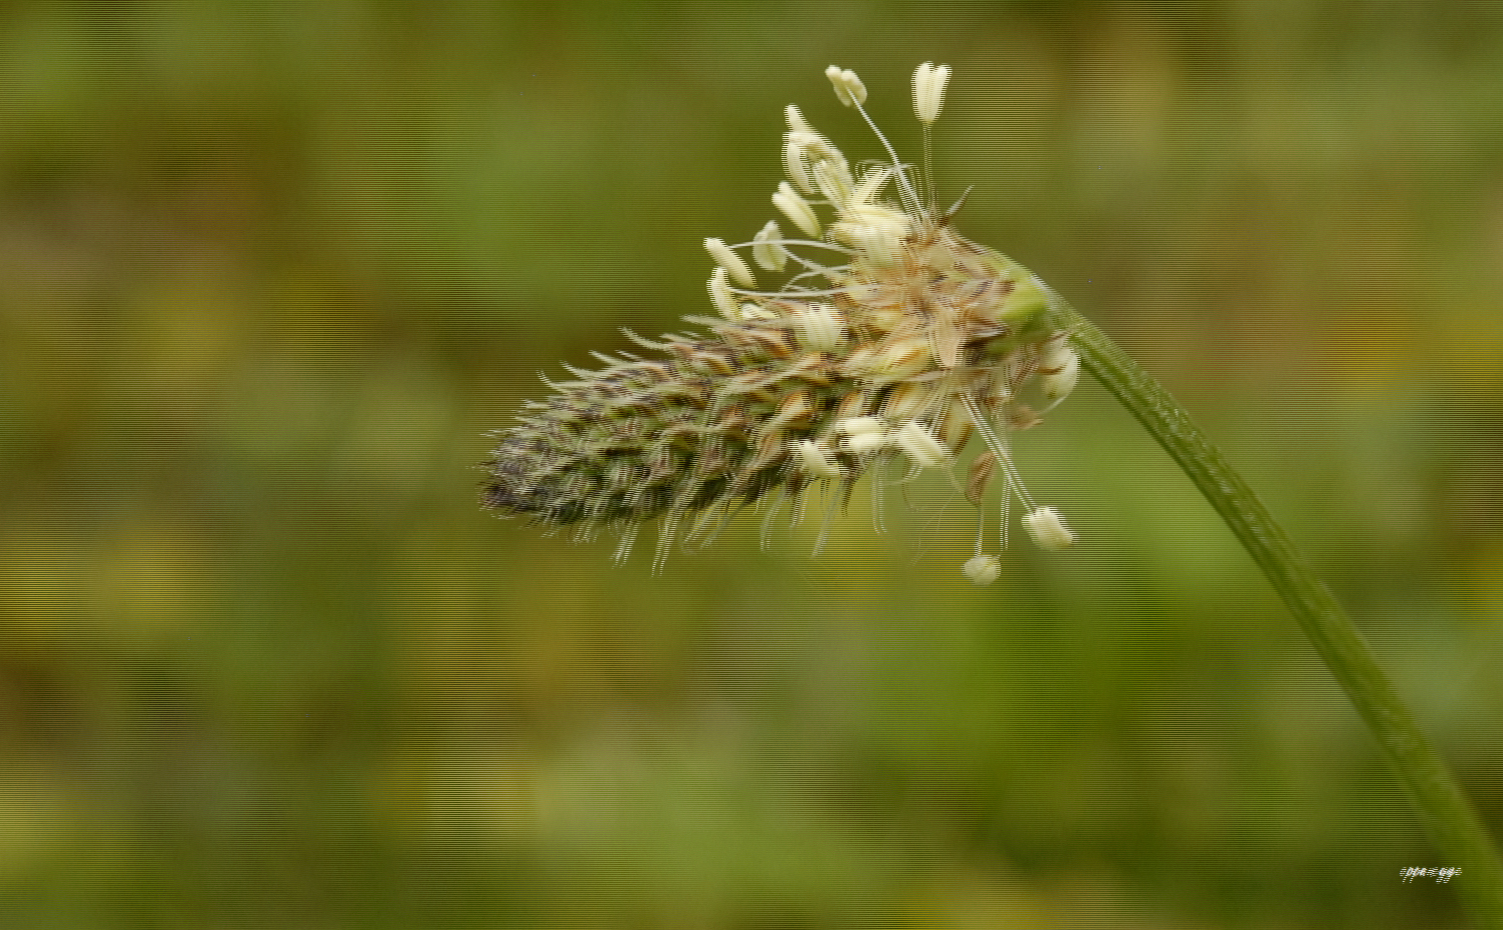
point(930, 305)
point(897, 342)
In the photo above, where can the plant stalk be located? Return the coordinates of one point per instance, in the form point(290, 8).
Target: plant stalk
point(1449, 819)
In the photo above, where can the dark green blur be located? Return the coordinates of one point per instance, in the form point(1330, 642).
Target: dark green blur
point(270, 271)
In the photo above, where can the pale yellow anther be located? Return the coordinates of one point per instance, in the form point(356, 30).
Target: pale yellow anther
point(983, 569)
point(1048, 529)
point(814, 460)
point(820, 327)
point(929, 90)
point(797, 209)
point(721, 295)
point(834, 181)
point(877, 244)
point(796, 162)
point(767, 247)
point(919, 445)
point(856, 426)
point(816, 147)
point(848, 87)
point(863, 443)
point(730, 261)
point(796, 121)
point(871, 184)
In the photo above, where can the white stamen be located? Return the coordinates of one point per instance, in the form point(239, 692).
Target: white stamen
point(878, 245)
point(910, 199)
point(721, 296)
point(998, 445)
point(983, 569)
point(816, 147)
point(750, 311)
point(848, 87)
point(834, 181)
point(856, 426)
point(820, 327)
point(862, 443)
point(796, 161)
point(767, 247)
point(796, 121)
point(1048, 529)
point(814, 460)
point(920, 445)
point(796, 208)
point(871, 185)
point(730, 261)
point(929, 90)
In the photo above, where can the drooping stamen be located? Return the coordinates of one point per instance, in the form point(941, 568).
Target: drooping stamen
point(999, 446)
point(1048, 530)
point(910, 199)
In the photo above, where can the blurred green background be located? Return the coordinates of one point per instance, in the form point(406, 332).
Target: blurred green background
point(268, 272)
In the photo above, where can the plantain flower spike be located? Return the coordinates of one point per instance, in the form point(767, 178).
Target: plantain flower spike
point(886, 341)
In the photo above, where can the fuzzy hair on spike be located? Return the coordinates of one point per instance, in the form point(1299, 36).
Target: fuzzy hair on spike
point(892, 340)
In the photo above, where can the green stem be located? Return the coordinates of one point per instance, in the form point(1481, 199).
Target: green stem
point(1450, 820)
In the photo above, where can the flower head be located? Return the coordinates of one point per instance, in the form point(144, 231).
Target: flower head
point(891, 341)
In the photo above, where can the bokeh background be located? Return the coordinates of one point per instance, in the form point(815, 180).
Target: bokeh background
point(269, 272)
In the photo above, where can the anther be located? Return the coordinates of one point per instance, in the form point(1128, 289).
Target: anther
point(796, 161)
point(856, 426)
point(721, 296)
point(796, 208)
point(848, 87)
point(796, 121)
point(1048, 529)
point(814, 460)
point(820, 327)
point(768, 249)
point(834, 181)
point(929, 90)
point(730, 261)
point(920, 445)
point(983, 569)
